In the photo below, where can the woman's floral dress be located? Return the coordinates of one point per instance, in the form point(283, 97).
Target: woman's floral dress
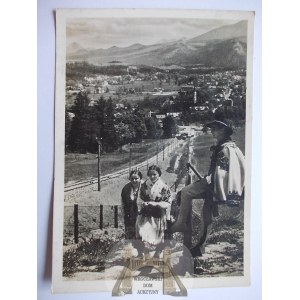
point(152, 219)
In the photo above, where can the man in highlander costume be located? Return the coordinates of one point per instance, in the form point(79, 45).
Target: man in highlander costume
point(224, 183)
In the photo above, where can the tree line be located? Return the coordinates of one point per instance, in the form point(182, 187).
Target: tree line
point(114, 128)
point(117, 127)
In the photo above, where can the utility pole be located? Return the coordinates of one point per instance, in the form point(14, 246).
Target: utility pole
point(99, 141)
point(147, 161)
point(130, 156)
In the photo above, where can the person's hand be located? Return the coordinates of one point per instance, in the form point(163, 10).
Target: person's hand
point(208, 179)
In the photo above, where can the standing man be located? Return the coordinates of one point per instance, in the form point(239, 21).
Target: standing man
point(224, 183)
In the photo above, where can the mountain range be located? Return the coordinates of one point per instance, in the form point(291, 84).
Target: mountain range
point(225, 46)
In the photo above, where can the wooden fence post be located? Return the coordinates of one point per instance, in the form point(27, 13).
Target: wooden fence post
point(76, 223)
point(116, 216)
point(101, 216)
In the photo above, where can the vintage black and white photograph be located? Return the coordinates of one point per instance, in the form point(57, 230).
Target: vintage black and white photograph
point(152, 151)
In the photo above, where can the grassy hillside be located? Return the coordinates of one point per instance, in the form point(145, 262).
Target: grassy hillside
point(82, 166)
point(225, 244)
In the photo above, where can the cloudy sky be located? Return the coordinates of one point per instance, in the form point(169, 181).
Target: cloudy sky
point(122, 32)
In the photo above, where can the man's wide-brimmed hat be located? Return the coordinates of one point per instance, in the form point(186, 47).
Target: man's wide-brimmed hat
point(220, 125)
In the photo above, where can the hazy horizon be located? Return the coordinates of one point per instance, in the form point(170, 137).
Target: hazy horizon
point(123, 32)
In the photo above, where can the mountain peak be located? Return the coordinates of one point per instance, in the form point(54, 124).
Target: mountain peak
point(223, 46)
point(74, 47)
point(236, 30)
point(113, 48)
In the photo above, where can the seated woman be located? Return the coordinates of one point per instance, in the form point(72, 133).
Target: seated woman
point(130, 194)
point(155, 209)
